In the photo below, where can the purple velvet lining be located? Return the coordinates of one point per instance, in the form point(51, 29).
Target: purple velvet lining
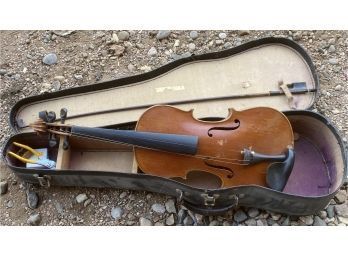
point(309, 176)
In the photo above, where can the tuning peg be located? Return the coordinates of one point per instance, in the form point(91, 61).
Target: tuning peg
point(63, 114)
point(52, 141)
point(51, 117)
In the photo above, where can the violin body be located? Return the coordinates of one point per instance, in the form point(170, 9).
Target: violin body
point(220, 143)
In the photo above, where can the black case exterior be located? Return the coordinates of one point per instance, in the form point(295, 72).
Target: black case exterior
point(206, 202)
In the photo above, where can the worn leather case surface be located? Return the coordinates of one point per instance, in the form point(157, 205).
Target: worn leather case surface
point(246, 76)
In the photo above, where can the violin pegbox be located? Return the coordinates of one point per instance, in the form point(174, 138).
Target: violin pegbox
point(46, 124)
point(40, 126)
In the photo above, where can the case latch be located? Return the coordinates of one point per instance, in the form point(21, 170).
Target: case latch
point(209, 200)
point(44, 180)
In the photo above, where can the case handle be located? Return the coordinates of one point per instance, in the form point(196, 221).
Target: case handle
point(210, 211)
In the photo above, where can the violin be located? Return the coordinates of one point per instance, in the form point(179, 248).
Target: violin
point(249, 147)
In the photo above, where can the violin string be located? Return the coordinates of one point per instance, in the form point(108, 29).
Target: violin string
point(62, 126)
point(203, 157)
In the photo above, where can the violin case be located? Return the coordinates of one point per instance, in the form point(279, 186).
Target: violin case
point(210, 84)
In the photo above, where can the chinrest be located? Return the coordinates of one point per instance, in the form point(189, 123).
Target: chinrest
point(278, 172)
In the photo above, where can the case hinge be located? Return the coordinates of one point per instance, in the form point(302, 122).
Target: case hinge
point(209, 200)
point(44, 180)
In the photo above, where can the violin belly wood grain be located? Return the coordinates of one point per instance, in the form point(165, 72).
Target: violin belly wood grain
point(220, 143)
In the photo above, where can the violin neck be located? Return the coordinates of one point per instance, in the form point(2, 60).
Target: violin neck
point(182, 144)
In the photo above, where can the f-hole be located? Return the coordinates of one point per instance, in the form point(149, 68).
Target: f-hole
point(229, 175)
point(233, 127)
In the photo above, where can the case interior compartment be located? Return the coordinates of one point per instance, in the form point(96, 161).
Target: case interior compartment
point(223, 77)
point(318, 168)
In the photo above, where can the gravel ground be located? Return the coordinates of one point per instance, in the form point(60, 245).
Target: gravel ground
point(77, 58)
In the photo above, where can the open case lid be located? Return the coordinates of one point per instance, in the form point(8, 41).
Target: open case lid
point(246, 76)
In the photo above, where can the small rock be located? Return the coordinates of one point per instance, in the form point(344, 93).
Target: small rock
point(222, 35)
point(114, 38)
point(286, 222)
point(338, 88)
point(333, 61)
point(170, 206)
point(10, 204)
point(32, 199)
point(78, 76)
point(87, 202)
point(343, 220)
point(331, 49)
point(214, 223)
point(34, 219)
point(145, 222)
point(3, 187)
point(116, 50)
point(181, 215)
point(152, 52)
point(332, 41)
point(330, 211)
point(297, 36)
point(199, 219)
point(308, 220)
point(123, 35)
point(271, 221)
point(131, 67)
point(323, 214)
point(180, 56)
point(323, 45)
point(342, 210)
point(130, 216)
point(56, 85)
point(63, 33)
point(50, 59)
point(318, 221)
point(59, 208)
point(226, 223)
point(128, 45)
point(240, 216)
point(250, 222)
point(162, 34)
point(145, 68)
point(188, 221)
point(193, 34)
point(341, 197)
point(139, 45)
point(227, 45)
point(260, 223)
point(81, 198)
point(16, 76)
point(191, 47)
point(243, 32)
point(3, 72)
point(176, 43)
point(276, 216)
point(116, 213)
point(253, 212)
point(170, 220)
point(336, 111)
point(219, 42)
point(59, 78)
point(158, 208)
point(123, 194)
